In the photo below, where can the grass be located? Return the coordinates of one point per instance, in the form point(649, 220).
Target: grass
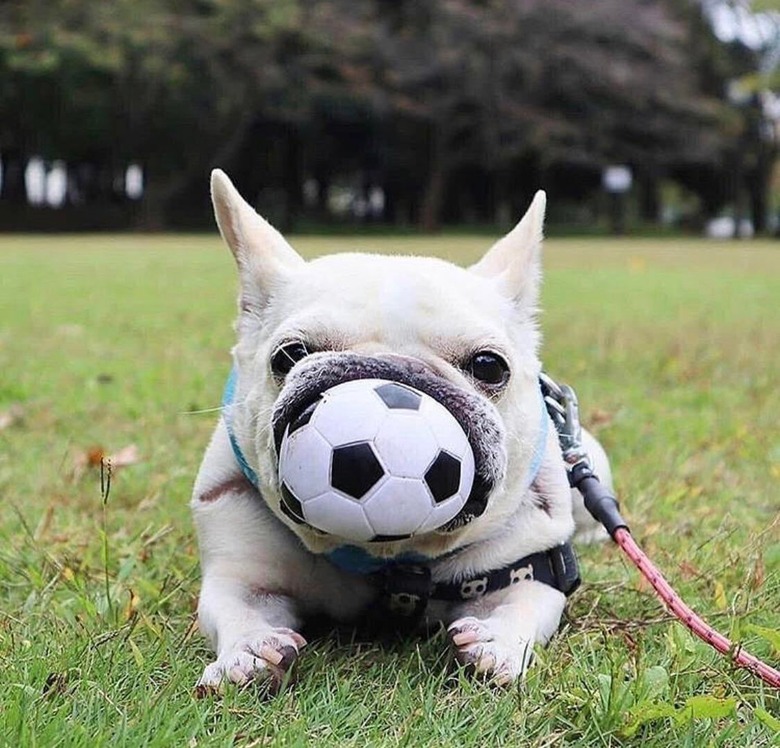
point(110, 341)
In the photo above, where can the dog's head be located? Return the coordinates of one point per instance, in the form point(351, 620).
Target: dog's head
point(467, 337)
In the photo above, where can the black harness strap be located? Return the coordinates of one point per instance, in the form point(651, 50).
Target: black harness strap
point(557, 568)
point(406, 588)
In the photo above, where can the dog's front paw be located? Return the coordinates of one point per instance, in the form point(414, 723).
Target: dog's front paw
point(490, 650)
point(267, 658)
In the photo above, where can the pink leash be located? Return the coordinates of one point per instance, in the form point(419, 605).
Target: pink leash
point(698, 626)
point(563, 408)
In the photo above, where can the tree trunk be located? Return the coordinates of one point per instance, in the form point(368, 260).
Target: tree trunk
point(757, 189)
point(758, 182)
point(293, 180)
point(433, 196)
point(737, 191)
point(14, 187)
point(649, 196)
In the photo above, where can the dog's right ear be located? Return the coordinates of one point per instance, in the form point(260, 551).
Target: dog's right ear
point(514, 262)
point(262, 254)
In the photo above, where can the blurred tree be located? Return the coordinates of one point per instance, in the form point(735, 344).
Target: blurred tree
point(175, 86)
point(494, 83)
point(754, 88)
point(466, 103)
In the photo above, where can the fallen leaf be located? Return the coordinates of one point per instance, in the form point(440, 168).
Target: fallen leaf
point(44, 523)
point(137, 654)
point(688, 570)
point(706, 707)
point(600, 417)
point(132, 605)
point(96, 456)
point(644, 713)
point(767, 719)
point(126, 456)
point(720, 596)
point(89, 458)
point(758, 575)
point(770, 635)
point(9, 417)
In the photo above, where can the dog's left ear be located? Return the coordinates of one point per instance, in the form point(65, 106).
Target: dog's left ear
point(514, 262)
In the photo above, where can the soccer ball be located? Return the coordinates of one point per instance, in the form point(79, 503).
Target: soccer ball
point(375, 460)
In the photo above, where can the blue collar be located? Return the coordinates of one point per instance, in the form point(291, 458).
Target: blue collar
point(351, 558)
point(227, 401)
point(541, 442)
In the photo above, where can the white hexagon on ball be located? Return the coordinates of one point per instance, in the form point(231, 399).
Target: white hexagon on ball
point(304, 463)
point(398, 507)
point(406, 457)
point(348, 413)
point(338, 516)
point(444, 427)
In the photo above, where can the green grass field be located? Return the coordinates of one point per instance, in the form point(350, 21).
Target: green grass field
point(107, 341)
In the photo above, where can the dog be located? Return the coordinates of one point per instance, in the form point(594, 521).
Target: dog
point(468, 337)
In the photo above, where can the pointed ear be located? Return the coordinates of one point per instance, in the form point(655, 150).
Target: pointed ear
point(515, 261)
point(262, 254)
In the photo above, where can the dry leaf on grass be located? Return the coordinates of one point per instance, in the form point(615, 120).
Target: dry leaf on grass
point(599, 419)
point(95, 456)
point(126, 456)
point(12, 415)
point(688, 570)
point(758, 574)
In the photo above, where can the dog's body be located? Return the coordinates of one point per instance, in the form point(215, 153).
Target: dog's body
point(264, 574)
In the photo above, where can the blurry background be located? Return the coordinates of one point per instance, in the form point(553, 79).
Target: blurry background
point(634, 115)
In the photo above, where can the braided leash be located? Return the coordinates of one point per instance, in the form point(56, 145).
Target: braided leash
point(563, 408)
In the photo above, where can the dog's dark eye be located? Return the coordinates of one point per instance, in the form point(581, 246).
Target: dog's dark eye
point(488, 367)
point(286, 356)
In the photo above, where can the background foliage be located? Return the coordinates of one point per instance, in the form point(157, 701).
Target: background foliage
point(457, 109)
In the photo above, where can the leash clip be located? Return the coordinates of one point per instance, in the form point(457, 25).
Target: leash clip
point(563, 407)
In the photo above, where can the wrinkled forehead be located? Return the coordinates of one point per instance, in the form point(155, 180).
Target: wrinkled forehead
point(389, 299)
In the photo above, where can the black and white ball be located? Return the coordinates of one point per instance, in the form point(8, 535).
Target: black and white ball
point(374, 460)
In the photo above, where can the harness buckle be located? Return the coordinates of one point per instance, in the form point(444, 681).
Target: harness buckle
point(406, 590)
point(565, 568)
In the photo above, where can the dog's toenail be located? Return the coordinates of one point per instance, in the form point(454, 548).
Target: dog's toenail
point(272, 655)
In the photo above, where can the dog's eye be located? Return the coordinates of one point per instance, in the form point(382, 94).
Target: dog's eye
point(488, 367)
point(286, 356)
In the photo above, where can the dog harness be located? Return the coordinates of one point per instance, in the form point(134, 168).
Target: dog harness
point(405, 585)
point(404, 582)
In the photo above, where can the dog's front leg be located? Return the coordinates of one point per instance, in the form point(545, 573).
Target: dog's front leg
point(252, 566)
point(495, 635)
point(247, 607)
point(252, 632)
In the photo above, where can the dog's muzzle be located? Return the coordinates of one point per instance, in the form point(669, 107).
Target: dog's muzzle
point(476, 416)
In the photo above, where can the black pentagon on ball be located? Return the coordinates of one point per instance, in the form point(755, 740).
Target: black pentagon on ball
point(355, 469)
point(291, 507)
point(398, 397)
point(443, 476)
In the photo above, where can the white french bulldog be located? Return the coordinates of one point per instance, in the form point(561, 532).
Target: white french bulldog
point(469, 338)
